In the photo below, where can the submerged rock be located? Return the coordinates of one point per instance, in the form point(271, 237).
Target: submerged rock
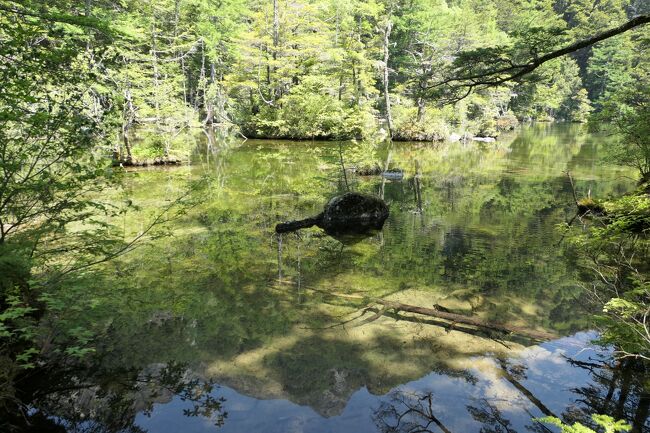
point(352, 212)
point(393, 174)
point(453, 137)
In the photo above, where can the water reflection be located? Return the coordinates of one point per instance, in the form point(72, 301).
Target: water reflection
point(515, 407)
point(227, 304)
point(91, 398)
point(489, 395)
point(619, 388)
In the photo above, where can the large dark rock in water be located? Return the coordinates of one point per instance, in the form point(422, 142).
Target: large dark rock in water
point(348, 213)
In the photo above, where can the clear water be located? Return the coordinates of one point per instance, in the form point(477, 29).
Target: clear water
point(227, 326)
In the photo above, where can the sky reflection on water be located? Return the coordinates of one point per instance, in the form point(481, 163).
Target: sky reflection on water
point(481, 400)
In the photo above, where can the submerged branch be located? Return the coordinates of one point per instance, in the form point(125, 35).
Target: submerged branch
point(161, 218)
point(445, 315)
point(468, 320)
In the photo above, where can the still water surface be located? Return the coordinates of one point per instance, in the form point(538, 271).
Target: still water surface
point(228, 327)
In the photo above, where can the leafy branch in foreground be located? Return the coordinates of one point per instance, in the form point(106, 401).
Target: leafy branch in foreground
point(608, 424)
point(616, 250)
point(172, 211)
point(57, 111)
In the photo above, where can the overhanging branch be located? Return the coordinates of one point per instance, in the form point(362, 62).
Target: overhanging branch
point(501, 75)
point(75, 20)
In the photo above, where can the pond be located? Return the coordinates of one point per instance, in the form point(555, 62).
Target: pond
point(225, 326)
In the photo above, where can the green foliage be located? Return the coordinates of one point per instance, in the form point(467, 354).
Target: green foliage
point(578, 107)
point(48, 131)
point(58, 115)
point(309, 112)
point(80, 82)
point(311, 70)
point(610, 69)
point(618, 252)
point(630, 114)
point(605, 422)
point(623, 320)
point(557, 94)
point(18, 329)
point(433, 126)
point(314, 69)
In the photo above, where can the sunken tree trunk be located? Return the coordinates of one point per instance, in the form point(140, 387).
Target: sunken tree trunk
point(348, 213)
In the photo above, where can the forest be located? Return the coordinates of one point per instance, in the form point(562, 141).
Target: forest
point(149, 148)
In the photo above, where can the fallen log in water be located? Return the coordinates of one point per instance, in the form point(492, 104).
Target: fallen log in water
point(467, 320)
point(292, 226)
point(448, 316)
point(167, 160)
point(454, 318)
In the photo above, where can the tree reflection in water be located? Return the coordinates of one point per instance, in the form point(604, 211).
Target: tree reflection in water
point(109, 401)
point(408, 412)
point(617, 390)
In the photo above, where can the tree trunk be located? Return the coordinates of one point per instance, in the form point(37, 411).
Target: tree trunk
point(354, 81)
point(208, 103)
point(87, 14)
point(626, 384)
point(500, 75)
point(418, 186)
point(127, 121)
point(420, 109)
point(177, 7)
point(254, 108)
point(202, 79)
point(641, 414)
point(522, 389)
point(610, 391)
point(389, 155)
point(275, 94)
point(276, 27)
point(292, 226)
point(117, 149)
point(154, 62)
point(389, 116)
point(127, 146)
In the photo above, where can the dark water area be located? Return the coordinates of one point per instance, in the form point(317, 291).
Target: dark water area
point(226, 326)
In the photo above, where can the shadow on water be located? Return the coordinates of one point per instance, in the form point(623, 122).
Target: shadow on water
point(91, 398)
